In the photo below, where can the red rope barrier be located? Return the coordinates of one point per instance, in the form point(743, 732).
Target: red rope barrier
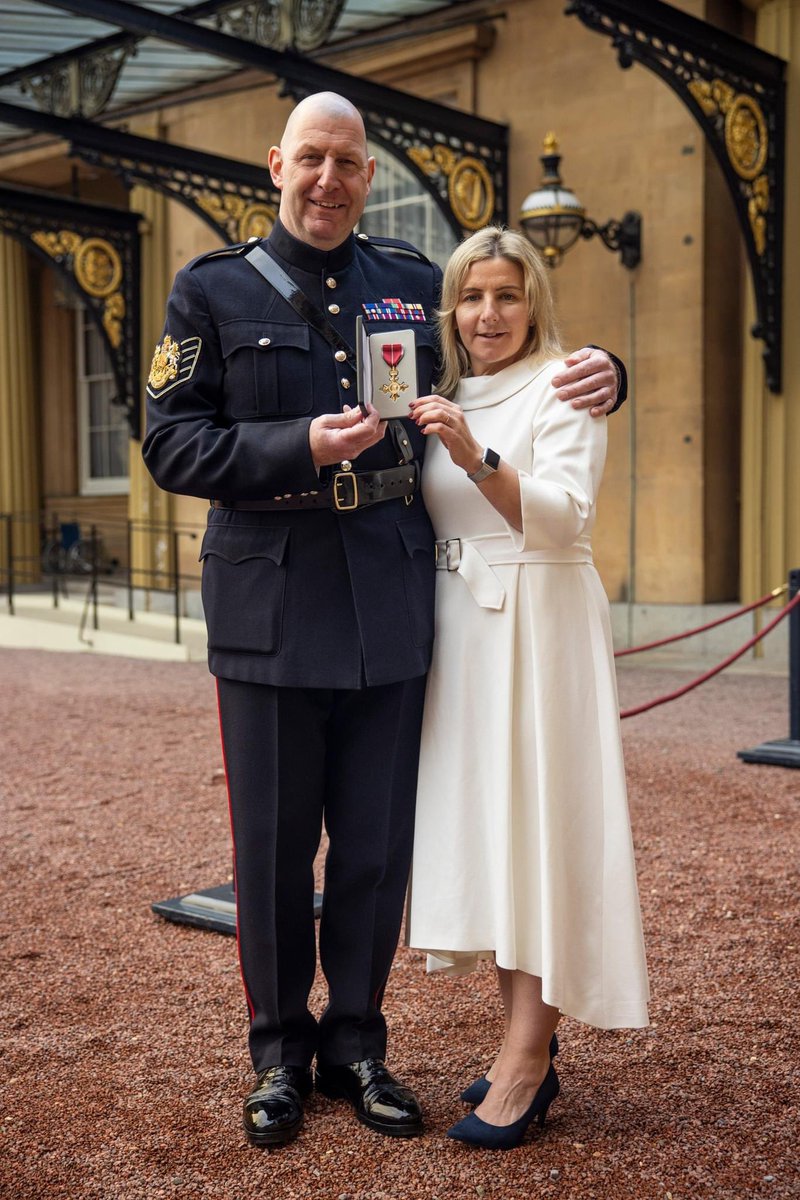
point(677, 637)
point(632, 712)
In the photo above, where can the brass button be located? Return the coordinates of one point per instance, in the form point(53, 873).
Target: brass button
point(330, 282)
point(333, 308)
point(345, 383)
point(340, 356)
point(265, 341)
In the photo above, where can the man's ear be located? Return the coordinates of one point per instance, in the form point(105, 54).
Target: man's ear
point(275, 163)
point(370, 173)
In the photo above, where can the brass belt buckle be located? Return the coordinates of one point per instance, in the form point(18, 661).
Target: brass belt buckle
point(346, 499)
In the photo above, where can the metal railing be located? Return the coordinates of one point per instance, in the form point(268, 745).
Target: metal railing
point(47, 552)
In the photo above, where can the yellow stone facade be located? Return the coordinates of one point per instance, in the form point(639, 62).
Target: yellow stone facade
point(701, 501)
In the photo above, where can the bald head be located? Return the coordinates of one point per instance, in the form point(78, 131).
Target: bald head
point(328, 105)
point(323, 170)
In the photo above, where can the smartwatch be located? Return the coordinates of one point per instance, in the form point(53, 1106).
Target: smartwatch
point(489, 464)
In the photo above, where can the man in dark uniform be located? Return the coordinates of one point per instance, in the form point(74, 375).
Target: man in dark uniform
point(318, 582)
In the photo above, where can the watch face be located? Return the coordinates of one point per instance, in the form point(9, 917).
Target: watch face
point(491, 459)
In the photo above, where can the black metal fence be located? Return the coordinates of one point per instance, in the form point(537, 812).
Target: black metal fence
point(51, 552)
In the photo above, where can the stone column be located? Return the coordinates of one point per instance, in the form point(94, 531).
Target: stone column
point(151, 548)
point(20, 492)
point(770, 423)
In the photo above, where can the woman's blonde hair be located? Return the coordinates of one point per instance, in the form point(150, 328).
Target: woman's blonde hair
point(495, 242)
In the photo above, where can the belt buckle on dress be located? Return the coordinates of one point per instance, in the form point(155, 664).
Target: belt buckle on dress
point(450, 552)
point(453, 552)
point(348, 481)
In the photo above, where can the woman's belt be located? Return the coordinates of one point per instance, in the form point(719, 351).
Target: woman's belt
point(347, 491)
point(473, 559)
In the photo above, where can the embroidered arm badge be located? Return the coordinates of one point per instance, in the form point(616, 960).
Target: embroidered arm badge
point(173, 364)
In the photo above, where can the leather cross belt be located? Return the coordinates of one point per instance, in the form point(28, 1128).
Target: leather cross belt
point(348, 490)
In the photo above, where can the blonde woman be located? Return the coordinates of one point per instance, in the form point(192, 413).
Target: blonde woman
point(523, 849)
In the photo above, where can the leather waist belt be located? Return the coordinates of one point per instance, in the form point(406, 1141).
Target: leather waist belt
point(347, 491)
point(474, 558)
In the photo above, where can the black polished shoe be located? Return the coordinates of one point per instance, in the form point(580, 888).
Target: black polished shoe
point(273, 1112)
point(380, 1101)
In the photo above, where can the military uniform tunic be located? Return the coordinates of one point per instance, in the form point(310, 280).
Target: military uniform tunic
point(320, 625)
point(294, 598)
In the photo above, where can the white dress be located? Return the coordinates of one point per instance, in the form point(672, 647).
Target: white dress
point(523, 847)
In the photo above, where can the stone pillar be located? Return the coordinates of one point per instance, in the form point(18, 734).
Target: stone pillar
point(151, 548)
point(20, 492)
point(770, 423)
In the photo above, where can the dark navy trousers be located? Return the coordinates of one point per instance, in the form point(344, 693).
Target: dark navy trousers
point(295, 758)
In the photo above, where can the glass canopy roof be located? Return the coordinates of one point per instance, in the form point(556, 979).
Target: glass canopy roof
point(41, 43)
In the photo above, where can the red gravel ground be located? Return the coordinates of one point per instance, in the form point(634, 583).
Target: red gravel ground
point(125, 1058)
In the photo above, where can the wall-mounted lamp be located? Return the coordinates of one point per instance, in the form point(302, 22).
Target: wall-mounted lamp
point(553, 218)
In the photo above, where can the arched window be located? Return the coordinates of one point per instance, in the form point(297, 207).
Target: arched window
point(399, 207)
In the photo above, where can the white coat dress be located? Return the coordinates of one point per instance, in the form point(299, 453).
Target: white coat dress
point(523, 848)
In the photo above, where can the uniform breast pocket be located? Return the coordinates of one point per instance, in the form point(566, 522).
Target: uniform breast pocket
point(267, 368)
point(243, 587)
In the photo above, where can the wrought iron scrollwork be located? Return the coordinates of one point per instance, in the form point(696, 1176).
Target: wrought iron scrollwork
point(80, 87)
point(467, 179)
point(96, 251)
point(737, 94)
point(227, 195)
point(281, 24)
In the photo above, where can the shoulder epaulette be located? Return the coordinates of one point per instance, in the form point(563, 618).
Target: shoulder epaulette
point(224, 252)
point(367, 239)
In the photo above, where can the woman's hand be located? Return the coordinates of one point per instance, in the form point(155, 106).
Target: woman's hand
point(434, 414)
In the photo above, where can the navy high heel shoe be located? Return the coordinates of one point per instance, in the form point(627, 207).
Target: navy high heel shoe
point(476, 1092)
point(475, 1132)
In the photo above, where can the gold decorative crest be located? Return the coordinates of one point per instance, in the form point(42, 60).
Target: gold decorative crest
point(166, 360)
point(256, 221)
point(471, 193)
point(58, 245)
point(113, 314)
point(241, 219)
point(173, 364)
point(746, 142)
point(469, 185)
point(746, 137)
point(98, 268)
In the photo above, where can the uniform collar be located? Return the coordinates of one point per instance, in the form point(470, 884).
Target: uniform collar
point(308, 258)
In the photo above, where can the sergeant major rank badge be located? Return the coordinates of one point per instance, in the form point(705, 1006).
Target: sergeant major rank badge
point(173, 364)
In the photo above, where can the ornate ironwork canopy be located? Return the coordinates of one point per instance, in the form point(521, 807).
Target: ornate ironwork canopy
point(737, 94)
point(96, 251)
point(77, 68)
point(234, 198)
point(461, 160)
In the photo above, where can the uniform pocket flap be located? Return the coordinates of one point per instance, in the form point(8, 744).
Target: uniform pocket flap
point(416, 536)
point(262, 335)
point(236, 544)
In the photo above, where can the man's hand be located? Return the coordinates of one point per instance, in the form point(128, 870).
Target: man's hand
point(591, 380)
point(339, 436)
